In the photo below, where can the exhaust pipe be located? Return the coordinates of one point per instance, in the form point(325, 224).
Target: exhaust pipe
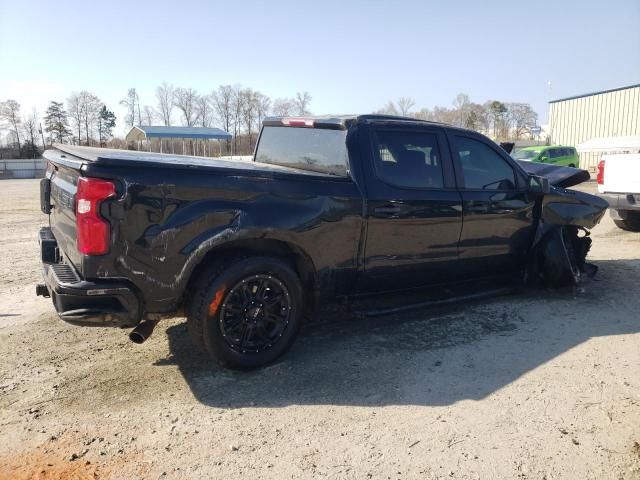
point(143, 331)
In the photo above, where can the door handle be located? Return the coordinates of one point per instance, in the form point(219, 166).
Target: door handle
point(387, 210)
point(477, 208)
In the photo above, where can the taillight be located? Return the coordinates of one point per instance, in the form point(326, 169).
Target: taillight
point(600, 177)
point(93, 231)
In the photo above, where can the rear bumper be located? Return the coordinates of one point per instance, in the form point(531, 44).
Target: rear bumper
point(77, 301)
point(621, 202)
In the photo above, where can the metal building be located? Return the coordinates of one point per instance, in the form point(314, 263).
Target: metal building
point(142, 135)
point(609, 113)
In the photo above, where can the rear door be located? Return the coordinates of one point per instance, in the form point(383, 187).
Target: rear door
point(497, 210)
point(413, 210)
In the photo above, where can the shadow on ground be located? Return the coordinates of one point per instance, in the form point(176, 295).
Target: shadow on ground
point(434, 357)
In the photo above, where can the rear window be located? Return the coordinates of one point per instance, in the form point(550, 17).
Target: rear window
point(314, 149)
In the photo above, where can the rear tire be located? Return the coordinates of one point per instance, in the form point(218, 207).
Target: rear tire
point(572, 165)
point(246, 313)
point(631, 223)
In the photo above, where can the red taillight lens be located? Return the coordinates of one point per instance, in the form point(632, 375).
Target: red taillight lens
point(93, 231)
point(600, 177)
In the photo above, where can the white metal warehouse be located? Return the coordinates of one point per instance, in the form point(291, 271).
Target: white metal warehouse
point(609, 113)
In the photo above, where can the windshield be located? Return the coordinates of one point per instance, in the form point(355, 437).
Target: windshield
point(525, 154)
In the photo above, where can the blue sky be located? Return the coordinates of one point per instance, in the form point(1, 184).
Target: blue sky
point(352, 56)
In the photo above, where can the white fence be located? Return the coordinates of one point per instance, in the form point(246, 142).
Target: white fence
point(22, 168)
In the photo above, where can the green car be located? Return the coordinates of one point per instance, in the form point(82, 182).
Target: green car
point(555, 155)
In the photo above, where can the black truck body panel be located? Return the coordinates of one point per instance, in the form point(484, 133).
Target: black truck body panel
point(347, 235)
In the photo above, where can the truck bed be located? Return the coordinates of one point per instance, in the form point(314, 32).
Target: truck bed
point(130, 158)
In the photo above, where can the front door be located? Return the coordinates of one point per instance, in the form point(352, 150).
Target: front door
point(414, 211)
point(497, 210)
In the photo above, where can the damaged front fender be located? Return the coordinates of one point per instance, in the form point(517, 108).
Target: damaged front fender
point(562, 237)
point(570, 207)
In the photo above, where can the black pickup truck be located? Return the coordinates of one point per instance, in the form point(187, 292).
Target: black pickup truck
point(329, 207)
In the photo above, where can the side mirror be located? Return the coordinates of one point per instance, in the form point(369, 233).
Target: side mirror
point(538, 184)
point(544, 158)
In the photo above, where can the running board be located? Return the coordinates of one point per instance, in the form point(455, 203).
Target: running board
point(435, 303)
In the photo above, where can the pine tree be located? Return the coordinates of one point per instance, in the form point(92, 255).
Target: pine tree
point(56, 122)
point(106, 123)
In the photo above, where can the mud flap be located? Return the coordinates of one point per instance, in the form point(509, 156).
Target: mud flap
point(562, 256)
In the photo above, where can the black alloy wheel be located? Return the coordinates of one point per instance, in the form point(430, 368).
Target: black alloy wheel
point(255, 313)
point(246, 312)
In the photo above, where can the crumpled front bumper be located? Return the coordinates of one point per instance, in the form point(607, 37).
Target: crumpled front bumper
point(104, 303)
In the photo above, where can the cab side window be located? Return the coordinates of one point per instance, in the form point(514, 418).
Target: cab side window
point(482, 167)
point(409, 159)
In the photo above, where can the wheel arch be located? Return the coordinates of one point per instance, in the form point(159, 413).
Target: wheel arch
point(299, 260)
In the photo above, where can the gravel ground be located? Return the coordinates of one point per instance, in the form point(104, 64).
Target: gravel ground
point(542, 384)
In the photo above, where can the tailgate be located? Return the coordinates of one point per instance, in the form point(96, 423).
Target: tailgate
point(63, 175)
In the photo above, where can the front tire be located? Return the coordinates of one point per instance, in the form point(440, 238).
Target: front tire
point(248, 313)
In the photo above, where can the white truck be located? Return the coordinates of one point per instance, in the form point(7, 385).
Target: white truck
point(619, 184)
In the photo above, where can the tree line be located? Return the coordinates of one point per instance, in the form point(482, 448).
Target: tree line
point(92, 123)
point(500, 120)
point(85, 120)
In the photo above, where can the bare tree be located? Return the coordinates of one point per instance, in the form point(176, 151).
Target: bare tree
point(444, 115)
point(165, 96)
point(461, 105)
point(222, 103)
point(132, 102)
point(263, 103)
point(477, 118)
point(497, 114)
point(74, 106)
point(301, 103)
point(204, 106)
point(521, 118)
point(30, 127)
point(249, 111)
point(185, 100)
point(283, 107)
point(90, 106)
point(405, 104)
point(148, 115)
point(423, 114)
point(10, 112)
point(236, 109)
point(389, 109)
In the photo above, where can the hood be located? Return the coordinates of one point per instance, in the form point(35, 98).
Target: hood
point(562, 177)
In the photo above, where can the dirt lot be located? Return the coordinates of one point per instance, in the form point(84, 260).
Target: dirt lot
point(542, 385)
